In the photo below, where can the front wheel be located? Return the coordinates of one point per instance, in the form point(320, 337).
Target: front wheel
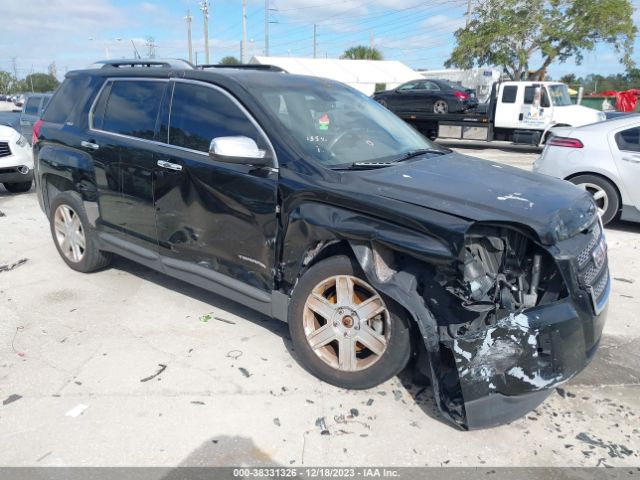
point(343, 330)
point(604, 194)
point(18, 187)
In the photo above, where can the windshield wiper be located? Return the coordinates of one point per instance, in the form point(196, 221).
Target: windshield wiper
point(365, 165)
point(421, 151)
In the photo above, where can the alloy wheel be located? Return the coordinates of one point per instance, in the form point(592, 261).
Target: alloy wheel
point(440, 106)
point(599, 196)
point(346, 323)
point(69, 233)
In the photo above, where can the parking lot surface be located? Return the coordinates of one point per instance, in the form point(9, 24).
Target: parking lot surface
point(130, 367)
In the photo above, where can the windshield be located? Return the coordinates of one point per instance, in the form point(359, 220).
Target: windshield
point(336, 125)
point(559, 95)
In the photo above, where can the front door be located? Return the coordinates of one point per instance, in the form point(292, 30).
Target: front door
point(213, 218)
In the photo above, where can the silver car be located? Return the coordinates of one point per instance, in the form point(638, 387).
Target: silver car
point(604, 159)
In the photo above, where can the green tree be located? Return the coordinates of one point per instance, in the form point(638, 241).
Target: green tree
point(7, 82)
point(39, 82)
point(509, 33)
point(362, 53)
point(229, 60)
point(569, 79)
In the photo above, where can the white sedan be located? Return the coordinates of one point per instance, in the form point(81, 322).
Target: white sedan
point(604, 159)
point(16, 161)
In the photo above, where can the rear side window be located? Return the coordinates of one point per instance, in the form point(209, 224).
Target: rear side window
point(509, 94)
point(629, 140)
point(32, 106)
point(199, 114)
point(132, 107)
point(64, 100)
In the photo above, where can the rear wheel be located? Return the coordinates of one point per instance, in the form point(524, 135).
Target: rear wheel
point(344, 331)
point(440, 106)
point(604, 194)
point(18, 187)
point(74, 238)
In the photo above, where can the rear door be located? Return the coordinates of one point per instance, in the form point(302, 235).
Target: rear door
point(29, 115)
point(216, 221)
point(625, 146)
point(121, 142)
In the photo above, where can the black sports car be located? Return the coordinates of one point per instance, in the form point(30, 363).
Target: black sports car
point(428, 96)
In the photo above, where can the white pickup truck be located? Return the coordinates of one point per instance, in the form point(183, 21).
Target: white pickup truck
point(518, 112)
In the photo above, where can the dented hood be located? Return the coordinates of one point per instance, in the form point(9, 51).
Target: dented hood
point(481, 190)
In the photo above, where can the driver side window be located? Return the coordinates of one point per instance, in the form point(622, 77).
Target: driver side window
point(200, 113)
point(408, 86)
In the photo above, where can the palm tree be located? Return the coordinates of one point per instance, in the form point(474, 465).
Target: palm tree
point(362, 53)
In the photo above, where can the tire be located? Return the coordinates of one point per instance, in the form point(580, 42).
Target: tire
point(381, 355)
point(18, 187)
point(83, 259)
point(441, 107)
point(604, 193)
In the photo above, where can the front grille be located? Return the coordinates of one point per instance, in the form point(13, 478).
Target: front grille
point(601, 285)
point(591, 275)
point(5, 151)
point(585, 254)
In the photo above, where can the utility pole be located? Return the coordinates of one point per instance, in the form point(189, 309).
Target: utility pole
point(189, 18)
point(14, 63)
point(151, 47)
point(204, 6)
point(468, 12)
point(244, 32)
point(266, 28)
point(315, 43)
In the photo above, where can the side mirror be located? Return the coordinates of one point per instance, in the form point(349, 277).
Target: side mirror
point(239, 149)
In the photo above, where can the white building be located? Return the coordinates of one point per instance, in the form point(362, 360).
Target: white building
point(360, 74)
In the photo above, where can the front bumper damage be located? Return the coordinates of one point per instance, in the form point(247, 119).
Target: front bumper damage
point(512, 366)
point(492, 370)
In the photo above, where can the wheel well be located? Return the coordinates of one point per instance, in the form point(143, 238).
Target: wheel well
point(53, 185)
point(604, 177)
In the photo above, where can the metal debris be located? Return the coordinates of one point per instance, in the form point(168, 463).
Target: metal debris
point(614, 450)
point(224, 320)
point(322, 425)
point(162, 366)
point(623, 280)
point(244, 372)
point(11, 266)
point(11, 398)
point(397, 394)
point(369, 402)
point(2, 214)
point(197, 402)
point(354, 412)
point(276, 421)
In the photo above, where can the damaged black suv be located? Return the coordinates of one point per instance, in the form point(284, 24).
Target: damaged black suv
point(309, 202)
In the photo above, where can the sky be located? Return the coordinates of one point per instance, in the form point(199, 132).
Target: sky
point(75, 33)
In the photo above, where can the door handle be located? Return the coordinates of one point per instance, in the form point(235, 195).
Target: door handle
point(169, 165)
point(91, 145)
point(633, 159)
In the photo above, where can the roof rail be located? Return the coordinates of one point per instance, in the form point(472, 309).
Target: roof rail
point(139, 62)
point(245, 66)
